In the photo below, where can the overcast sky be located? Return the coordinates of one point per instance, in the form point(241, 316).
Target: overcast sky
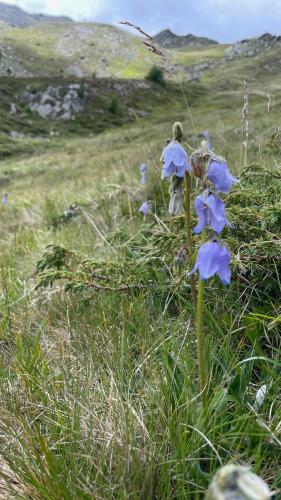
point(222, 20)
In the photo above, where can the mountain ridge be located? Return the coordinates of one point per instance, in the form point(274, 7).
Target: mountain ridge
point(15, 16)
point(169, 40)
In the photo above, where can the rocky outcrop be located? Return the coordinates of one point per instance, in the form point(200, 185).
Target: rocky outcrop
point(57, 103)
point(15, 16)
point(170, 40)
point(253, 47)
point(246, 48)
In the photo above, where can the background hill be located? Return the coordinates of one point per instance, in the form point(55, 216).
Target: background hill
point(15, 16)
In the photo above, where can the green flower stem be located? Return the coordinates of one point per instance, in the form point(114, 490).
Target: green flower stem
point(188, 234)
point(201, 343)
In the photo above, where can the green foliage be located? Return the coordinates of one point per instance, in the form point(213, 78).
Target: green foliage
point(114, 106)
point(156, 75)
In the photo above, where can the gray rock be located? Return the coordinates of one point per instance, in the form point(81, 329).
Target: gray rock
point(13, 109)
point(57, 103)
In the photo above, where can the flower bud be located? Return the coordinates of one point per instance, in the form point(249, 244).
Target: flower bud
point(176, 195)
point(180, 258)
point(204, 148)
point(178, 131)
point(234, 482)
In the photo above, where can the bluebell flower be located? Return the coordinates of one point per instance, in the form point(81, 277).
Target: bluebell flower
point(218, 173)
point(211, 212)
point(143, 172)
point(4, 199)
point(213, 258)
point(145, 208)
point(175, 160)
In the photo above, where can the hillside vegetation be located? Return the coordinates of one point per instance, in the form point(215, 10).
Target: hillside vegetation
point(99, 393)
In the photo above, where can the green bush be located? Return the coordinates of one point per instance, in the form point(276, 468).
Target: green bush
point(114, 106)
point(156, 75)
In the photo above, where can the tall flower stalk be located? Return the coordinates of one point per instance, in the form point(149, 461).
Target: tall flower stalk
point(213, 256)
point(200, 341)
point(187, 208)
point(177, 167)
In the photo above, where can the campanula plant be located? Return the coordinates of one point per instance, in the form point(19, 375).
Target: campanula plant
point(213, 258)
point(176, 167)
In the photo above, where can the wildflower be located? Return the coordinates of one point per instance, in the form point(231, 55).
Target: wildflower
point(213, 258)
point(175, 160)
point(211, 212)
point(218, 173)
point(176, 195)
point(233, 482)
point(4, 199)
point(145, 208)
point(143, 172)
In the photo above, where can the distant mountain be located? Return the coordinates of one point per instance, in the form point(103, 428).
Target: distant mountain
point(15, 16)
point(170, 40)
point(253, 46)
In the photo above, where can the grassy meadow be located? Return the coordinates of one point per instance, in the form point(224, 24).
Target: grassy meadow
point(99, 384)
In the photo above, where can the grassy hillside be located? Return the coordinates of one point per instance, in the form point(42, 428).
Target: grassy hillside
point(76, 49)
point(85, 49)
point(99, 394)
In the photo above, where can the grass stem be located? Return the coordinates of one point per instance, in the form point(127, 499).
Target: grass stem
point(200, 342)
point(187, 197)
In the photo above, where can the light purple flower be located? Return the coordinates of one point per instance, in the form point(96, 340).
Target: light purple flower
point(175, 161)
point(218, 173)
point(143, 172)
point(211, 212)
point(213, 258)
point(4, 199)
point(145, 207)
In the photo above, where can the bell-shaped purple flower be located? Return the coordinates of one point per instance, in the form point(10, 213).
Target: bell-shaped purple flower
point(175, 161)
point(143, 172)
point(218, 173)
point(211, 212)
point(4, 199)
point(145, 208)
point(213, 258)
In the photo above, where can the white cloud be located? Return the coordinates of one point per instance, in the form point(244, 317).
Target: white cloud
point(78, 10)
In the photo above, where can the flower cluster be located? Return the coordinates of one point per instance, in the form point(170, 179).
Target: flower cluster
point(213, 256)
